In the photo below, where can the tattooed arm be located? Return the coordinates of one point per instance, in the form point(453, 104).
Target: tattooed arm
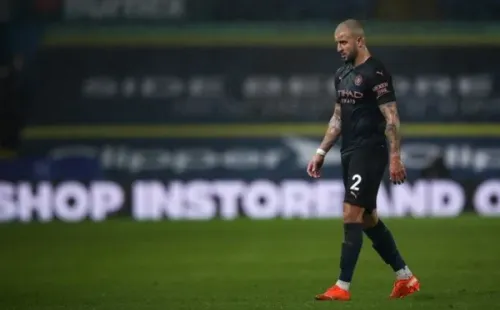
point(331, 136)
point(392, 131)
point(333, 131)
point(386, 99)
point(396, 168)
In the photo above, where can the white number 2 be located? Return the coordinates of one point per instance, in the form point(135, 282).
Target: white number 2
point(357, 179)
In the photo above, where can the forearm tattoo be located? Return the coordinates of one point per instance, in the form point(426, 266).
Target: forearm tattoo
point(334, 129)
point(392, 129)
point(335, 122)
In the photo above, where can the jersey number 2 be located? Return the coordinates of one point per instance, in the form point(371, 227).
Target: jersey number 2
point(357, 179)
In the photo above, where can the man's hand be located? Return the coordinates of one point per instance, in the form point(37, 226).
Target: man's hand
point(397, 170)
point(314, 166)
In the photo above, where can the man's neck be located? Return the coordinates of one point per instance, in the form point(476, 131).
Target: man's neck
point(362, 57)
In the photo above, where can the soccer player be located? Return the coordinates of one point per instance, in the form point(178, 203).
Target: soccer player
point(366, 117)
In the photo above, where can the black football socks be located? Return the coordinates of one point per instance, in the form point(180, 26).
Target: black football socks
point(384, 244)
point(351, 247)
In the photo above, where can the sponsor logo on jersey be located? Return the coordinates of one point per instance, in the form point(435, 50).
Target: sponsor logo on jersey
point(381, 89)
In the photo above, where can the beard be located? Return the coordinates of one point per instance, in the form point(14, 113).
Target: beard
point(351, 56)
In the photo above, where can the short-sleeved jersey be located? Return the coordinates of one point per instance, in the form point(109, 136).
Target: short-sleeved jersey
point(360, 91)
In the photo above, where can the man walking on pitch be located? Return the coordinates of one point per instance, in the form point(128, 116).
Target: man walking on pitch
point(366, 116)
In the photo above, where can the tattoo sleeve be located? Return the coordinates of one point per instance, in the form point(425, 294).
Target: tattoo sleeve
point(392, 131)
point(334, 129)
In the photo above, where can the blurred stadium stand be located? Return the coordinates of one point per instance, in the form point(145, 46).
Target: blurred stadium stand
point(284, 10)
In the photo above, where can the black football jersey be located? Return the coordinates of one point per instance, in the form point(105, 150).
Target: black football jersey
point(360, 91)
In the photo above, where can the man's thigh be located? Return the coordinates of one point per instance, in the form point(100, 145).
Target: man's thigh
point(346, 158)
point(364, 174)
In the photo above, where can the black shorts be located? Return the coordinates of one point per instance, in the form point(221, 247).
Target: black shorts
point(362, 171)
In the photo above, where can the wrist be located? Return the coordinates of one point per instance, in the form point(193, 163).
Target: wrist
point(321, 152)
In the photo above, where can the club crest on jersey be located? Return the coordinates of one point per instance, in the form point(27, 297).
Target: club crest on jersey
point(358, 80)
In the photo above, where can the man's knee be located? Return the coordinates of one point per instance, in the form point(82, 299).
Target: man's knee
point(353, 214)
point(370, 219)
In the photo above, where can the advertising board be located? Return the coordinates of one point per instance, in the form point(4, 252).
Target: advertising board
point(204, 199)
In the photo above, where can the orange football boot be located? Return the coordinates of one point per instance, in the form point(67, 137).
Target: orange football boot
point(403, 288)
point(334, 293)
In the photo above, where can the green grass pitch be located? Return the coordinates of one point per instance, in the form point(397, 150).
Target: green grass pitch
point(239, 265)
